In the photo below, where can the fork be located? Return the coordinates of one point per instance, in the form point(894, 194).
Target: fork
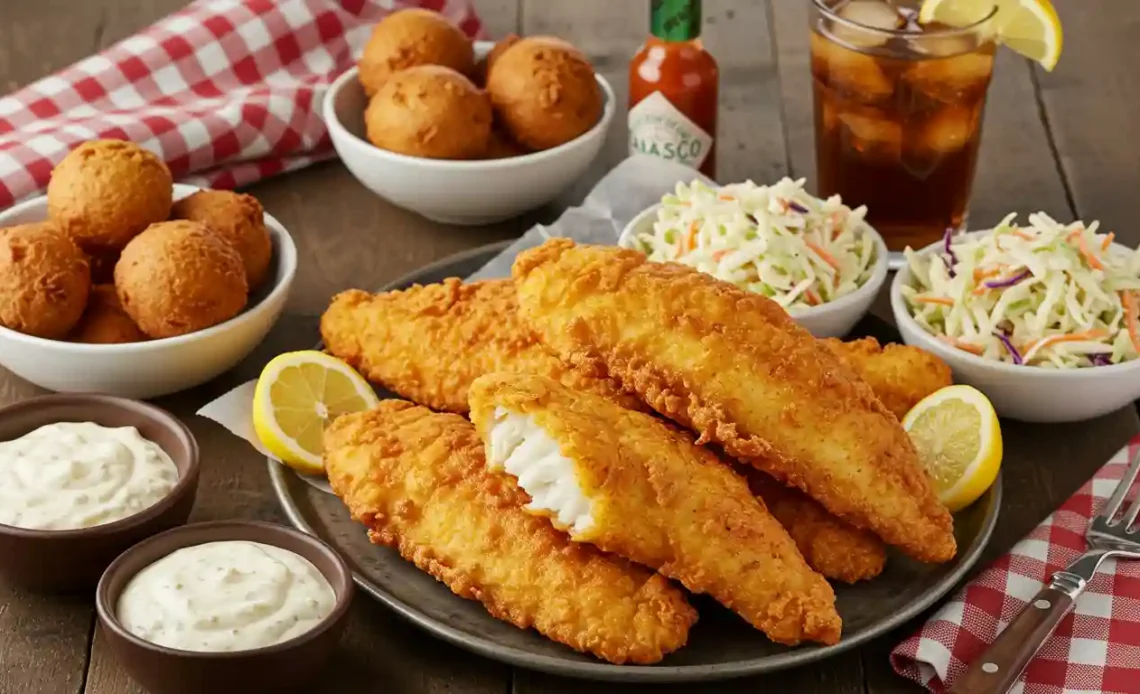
point(1002, 663)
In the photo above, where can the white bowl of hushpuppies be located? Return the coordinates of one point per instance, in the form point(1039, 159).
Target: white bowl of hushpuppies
point(120, 281)
point(466, 132)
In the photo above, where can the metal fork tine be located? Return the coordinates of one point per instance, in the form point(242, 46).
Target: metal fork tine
point(1121, 492)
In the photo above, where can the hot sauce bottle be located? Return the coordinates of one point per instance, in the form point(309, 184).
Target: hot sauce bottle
point(673, 89)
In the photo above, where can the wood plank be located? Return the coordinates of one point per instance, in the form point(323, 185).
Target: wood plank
point(839, 676)
point(500, 17)
point(1091, 101)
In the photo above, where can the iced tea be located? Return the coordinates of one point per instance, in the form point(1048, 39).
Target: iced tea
point(898, 114)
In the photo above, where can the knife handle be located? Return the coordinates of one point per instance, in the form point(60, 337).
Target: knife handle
point(999, 666)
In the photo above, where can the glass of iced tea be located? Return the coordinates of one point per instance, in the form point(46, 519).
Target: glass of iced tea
point(898, 114)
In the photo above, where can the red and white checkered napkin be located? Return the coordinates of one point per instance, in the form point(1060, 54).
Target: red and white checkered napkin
point(229, 90)
point(1096, 648)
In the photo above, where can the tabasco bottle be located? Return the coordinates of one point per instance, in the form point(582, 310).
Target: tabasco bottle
point(673, 89)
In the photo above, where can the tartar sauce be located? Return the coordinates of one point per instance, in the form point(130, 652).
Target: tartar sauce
point(225, 596)
point(72, 475)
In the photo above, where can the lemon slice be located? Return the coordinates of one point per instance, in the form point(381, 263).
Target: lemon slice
point(296, 395)
point(1030, 27)
point(957, 434)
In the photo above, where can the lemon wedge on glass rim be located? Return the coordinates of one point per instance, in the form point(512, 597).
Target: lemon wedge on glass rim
point(958, 438)
point(297, 394)
point(1030, 27)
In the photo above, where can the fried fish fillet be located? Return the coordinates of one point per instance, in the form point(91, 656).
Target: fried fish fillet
point(428, 343)
point(418, 481)
point(899, 375)
point(831, 546)
point(640, 488)
point(735, 368)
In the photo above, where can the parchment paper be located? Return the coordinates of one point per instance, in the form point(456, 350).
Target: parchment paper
point(630, 187)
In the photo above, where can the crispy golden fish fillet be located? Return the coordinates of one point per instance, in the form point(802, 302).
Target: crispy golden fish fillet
point(735, 368)
point(640, 488)
point(428, 343)
point(899, 375)
point(831, 546)
point(418, 481)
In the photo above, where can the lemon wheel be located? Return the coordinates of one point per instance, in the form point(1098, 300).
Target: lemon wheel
point(958, 438)
point(1030, 27)
point(297, 394)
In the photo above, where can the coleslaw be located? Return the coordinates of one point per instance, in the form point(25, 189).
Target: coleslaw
point(777, 240)
point(1049, 295)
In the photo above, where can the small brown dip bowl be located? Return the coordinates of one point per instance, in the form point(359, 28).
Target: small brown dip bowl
point(286, 666)
point(62, 560)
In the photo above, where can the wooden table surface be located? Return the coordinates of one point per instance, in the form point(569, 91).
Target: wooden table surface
point(1055, 142)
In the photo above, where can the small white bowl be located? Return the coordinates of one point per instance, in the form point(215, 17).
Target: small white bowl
point(156, 367)
point(1025, 393)
point(832, 319)
point(458, 192)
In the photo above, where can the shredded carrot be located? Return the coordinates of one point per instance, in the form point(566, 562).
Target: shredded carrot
point(1023, 235)
point(726, 197)
point(812, 298)
point(1107, 241)
point(1129, 302)
point(934, 300)
point(962, 345)
point(1057, 339)
point(980, 274)
point(690, 240)
point(717, 255)
point(827, 257)
point(1083, 247)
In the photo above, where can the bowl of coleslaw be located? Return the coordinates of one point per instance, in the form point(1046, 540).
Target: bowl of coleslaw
point(818, 259)
point(1042, 318)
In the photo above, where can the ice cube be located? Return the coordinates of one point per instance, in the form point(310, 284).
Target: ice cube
point(942, 45)
point(872, 135)
point(948, 130)
point(958, 79)
point(856, 75)
point(873, 18)
point(927, 144)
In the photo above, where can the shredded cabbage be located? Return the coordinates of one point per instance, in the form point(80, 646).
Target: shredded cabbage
point(1049, 295)
point(776, 240)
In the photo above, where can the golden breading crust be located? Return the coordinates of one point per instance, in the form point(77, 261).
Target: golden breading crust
point(734, 367)
point(419, 482)
point(428, 343)
point(660, 500)
point(831, 546)
point(899, 375)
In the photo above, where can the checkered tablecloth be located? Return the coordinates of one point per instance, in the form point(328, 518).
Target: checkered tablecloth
point(226, 90)
point(1096, 648)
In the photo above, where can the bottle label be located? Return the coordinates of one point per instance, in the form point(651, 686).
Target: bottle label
point(657, 128)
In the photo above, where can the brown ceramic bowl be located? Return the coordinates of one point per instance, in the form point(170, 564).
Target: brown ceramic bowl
point(74, 559)
point(286, 666)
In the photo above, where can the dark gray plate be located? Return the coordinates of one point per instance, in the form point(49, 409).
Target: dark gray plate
point(720, 646)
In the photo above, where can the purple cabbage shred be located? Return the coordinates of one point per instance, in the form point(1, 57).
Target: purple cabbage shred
point(1100, 359)
point(952, 259)
point(1008, 281)
point(1013, 353)
point(798, 207)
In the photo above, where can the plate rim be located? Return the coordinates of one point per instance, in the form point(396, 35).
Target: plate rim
point(600, 671)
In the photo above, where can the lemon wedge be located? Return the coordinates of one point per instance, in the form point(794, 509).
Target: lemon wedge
point(296, 395)
point(957, 434)
point(1030, 27)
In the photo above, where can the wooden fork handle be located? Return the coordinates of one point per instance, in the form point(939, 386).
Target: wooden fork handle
point(999, 666)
